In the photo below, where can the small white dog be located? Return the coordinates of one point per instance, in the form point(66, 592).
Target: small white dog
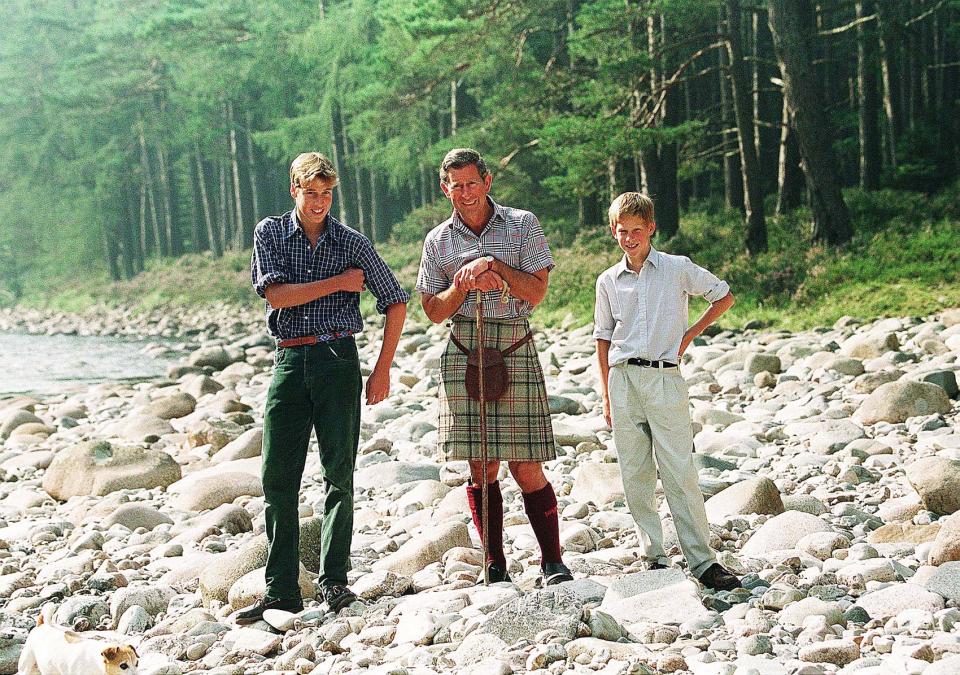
point(53, 650)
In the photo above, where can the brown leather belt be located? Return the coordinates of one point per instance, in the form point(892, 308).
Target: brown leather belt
point(311, 340)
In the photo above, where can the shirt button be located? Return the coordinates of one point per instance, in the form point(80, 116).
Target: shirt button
point(309, 270)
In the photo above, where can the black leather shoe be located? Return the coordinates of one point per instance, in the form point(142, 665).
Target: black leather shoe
point(719, 579)
point(555, 573)
point(496, 573)
point(656, 565)
point(338, 597)
point(255, 612)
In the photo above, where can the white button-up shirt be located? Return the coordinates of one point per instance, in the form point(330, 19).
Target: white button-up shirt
point(645, 315)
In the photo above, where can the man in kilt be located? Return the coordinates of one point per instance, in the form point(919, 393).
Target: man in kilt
point(480, 250)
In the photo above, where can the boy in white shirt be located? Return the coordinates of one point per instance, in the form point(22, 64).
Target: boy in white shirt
point(641, 331)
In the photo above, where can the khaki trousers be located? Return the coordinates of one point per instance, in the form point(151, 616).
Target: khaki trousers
point(652, 431)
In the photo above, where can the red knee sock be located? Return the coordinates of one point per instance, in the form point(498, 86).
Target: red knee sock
point(495, 519)
point(541, 508)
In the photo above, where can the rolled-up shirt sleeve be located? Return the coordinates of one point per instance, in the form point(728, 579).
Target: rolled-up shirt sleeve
point(696, 280)
point(379, 278)
point(534, 251)
point(603, 321)
point(267, 266)
point(431, 279)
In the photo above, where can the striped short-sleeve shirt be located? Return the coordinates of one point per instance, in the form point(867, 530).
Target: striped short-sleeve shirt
point(512, 236)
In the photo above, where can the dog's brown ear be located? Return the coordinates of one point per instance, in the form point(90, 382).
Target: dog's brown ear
point(110, 653)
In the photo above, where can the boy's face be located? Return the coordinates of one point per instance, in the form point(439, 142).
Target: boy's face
point(314, 199)
point(633, 233)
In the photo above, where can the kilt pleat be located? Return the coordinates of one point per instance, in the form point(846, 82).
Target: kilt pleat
point(518, 424)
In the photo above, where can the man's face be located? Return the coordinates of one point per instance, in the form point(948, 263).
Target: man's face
point(313, 198)
point(467, 190)
point(633, 233)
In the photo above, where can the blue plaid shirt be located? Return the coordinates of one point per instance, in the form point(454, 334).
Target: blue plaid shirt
point(282, 255)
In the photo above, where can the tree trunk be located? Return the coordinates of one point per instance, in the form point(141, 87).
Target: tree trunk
point(376, 232)
point(240, 235)
point(867, 108)
point(732, 178)
point(831, 220)
point(151, 199)
point(668, 208)
point(128, 242)
point(361, 223)
point(740, 87)
point(212, 241)
point(612, 190)
point(337, 166)
point(889, 36)
point(144, 252)
point(453, 107)
point(252, 167)
point(789, 174)
point(226, 218)
point(172, 246)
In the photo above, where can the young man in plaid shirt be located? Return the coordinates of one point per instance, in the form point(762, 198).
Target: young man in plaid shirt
point(481, 246)
point(311, 270)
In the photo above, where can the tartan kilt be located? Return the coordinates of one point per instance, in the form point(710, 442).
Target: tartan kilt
point(518, 424)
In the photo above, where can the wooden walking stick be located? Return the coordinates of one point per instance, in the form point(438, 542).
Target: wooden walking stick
point(484, 489)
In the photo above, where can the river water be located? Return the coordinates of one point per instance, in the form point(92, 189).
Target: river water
point(50, 364)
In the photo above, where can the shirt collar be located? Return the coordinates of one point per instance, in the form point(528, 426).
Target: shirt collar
point(498, 214)
point(333, 230)
point(653, 258)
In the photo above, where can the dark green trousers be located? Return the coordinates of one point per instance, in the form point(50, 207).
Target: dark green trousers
point(314, 387)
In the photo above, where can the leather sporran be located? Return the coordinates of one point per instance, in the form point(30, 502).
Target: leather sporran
point(496, 379)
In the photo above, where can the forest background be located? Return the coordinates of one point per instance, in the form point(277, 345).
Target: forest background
point(808, 152)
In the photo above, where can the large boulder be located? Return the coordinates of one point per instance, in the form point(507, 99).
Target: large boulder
point(825, 436)
point(756, 495)
point(11, 418)
point(248, 444)
point(898, 401)
point(251, 587)
point(139, 428)
point(870, 345)
point(525, 617)
point(211, 490)
point(171, 407)
point(783, 532)
point(598, 483)
point(937, 481)
point(757, 363)
point(657, 596)
point(101, 468)
point(136, 515)
point(225, 569)
point(945, 582)
point(946, 547)
point(890, 601)
point(425, 549)
point(214, 357)
point(388, 474)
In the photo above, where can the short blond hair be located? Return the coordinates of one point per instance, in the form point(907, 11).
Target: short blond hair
point(310, 165)
point(631, 204)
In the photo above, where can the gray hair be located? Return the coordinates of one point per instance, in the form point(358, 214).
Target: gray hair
point(459, 158)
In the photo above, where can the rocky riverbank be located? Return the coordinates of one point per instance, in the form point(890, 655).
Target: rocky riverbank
point(830, 460)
